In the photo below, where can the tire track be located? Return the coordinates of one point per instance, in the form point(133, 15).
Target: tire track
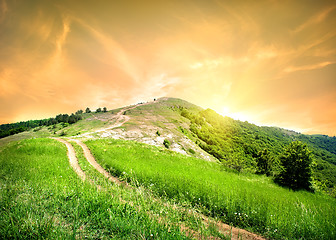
point(73, 159)
point(89, 157)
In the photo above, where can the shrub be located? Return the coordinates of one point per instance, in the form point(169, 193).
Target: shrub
point(296, 166)
point(166, 143)
point(264, 162)
point(158, 133)
point(192, 151)
point(62, 133)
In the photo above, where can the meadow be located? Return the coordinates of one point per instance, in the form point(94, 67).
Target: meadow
point(246, 200)
point(42, 197)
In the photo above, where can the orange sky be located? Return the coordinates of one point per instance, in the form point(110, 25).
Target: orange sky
point(269, 62)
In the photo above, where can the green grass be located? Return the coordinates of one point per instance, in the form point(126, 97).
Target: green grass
point(42, 197)
point(170, 214)
point(245, 200)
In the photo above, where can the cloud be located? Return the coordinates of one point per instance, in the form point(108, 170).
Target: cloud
point(115, 51)
point(317, 18)
point(308, 67)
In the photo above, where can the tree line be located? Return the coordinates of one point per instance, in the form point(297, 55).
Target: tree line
point(14, 128)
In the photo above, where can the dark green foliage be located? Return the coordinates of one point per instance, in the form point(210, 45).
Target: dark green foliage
point(87, 110)
point(14, 128)
point(264, 162)
point(240, 145)
point(158, 133)
point(79, 112)
point(322, 141)
point(166, 143)
point(98, 110)
point(296, 166)
point(104, 109)
point(192, 151)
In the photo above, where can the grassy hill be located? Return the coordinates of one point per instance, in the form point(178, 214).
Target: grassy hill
point(205, 178)
point(239, 144)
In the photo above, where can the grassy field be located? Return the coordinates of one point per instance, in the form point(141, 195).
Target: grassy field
point(249, 201)
point(42, 197)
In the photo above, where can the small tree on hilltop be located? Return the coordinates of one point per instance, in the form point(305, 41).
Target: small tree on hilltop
point(296, 166)
point(98, 110)
point(87, 110)
point(104, 109)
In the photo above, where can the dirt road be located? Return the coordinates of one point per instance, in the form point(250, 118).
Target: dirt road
point(120, 120)
point(73, 159)
point(93, 162)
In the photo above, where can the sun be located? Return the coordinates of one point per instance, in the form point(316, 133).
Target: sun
point(235, 115)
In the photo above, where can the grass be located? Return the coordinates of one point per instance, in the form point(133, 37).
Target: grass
point(42, 197)
point(248, 201)
point(164, 210)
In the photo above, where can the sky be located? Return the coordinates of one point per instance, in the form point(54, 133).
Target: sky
point(268, 62)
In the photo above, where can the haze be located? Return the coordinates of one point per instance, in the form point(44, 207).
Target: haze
point(267, 62)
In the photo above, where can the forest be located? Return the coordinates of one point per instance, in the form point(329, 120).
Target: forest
point(243, 146)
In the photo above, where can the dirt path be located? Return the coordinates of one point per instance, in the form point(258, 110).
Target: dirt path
point(120, 120)
point(93, 162)
point(73, 159)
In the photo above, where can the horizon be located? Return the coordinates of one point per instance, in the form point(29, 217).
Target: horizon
point(271, 63)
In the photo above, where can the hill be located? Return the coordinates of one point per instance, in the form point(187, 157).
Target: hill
point(197, 180)
point(190, 130)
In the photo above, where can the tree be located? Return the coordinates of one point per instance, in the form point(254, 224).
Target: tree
point(87, 110)
point(98, 110)
point(72, 119)
point(296, 166)
point(104, 109)
point(264, 162)
point(79, 112)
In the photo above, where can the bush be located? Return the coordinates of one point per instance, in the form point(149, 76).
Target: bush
point(296, 166)
point(62, 133)
point(264, 162)
point(192, 151)
point(158, 133)
point(166, 143)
